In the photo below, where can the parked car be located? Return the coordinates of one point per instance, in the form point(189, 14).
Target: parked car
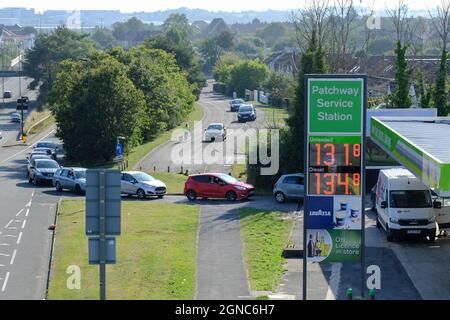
point(15, 117)
point(215, 131)
point(47, 145)
point(142, 185)
point(7, 95)
point(35, 157)
point(217, 185)
point(42, 170)
point(247, 112)
point(289, 186)
point(73, 179)
point(235, 104)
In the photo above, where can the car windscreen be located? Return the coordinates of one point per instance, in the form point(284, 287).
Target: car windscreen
point(238, 101)
point(45, 145)
point(228, 179)
point(142, 176)
point(410, 199)
point(215, 127)
point(47, 164)
point(245, 109)
point(81, 174)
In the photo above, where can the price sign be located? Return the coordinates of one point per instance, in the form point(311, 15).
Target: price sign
point(334, 165)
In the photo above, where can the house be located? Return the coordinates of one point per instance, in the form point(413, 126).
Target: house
point(286, 61)
point(18, 35)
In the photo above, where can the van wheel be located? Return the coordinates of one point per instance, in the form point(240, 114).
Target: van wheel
point(431, 239)
point(77, 189)
point(378, 222)
point(389, 236)
point(231, 196)
point(191, 195)
point(280, 197)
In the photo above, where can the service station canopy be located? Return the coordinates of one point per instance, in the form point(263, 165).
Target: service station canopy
point(421, 144)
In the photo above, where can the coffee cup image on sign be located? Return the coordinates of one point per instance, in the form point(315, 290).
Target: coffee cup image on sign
point(318, 246)
point(347, 213)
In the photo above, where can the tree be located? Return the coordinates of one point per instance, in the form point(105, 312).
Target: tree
point(247, 74)
point(211, 53)
point(93, 103)
point(41, 61)
point(442, 25)
point(104, 38)
point(272, 33)
point(179, 22)
point(131, 32)
point(424, 92)
point(225, 39)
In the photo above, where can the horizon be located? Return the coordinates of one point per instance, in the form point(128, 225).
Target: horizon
point(231, 6)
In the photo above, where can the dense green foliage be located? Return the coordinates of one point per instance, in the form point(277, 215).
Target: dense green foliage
point(400, 97)
point(41, 62)
point(104, 38)
point(441, 88)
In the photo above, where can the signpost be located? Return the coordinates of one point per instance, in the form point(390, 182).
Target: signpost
point(334, 166)
point(102, 219)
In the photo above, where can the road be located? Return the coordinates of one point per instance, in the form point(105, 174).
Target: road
point(26, 212)
point(216, 109)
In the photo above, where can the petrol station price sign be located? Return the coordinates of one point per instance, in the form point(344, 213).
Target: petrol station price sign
point(334, 166)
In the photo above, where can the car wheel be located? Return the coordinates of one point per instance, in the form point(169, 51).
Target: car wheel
point(231, 196)
point(389, 235)
point(280, 197)
point(58, 186)
point(160, 197)
point(77, 189)
point(140, 194)
point(35, 181)
point(378, 223)
point(191, 195)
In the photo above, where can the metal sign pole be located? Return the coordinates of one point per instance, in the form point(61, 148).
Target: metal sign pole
point(363, 192)
point(102, 239)
point(306, 186)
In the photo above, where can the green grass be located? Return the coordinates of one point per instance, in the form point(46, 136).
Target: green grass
point(35, 117)
point(264, 235)
point(174, 181)
point(239, 171)
point(277, 115)
point(156, 253)
point(138, 153)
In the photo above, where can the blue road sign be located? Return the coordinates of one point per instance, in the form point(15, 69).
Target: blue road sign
point(119, 150)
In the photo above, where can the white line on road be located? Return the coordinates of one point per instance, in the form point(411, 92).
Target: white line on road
point(13, 257)
point(7, 225)
point(4, 255)
point(18, 213)
point(28, 211)
point(5, 282)
point(8, 235)
point(4, 244)
point(24, 223)
point(29, 147)
point(20, 237)
point(335, 280)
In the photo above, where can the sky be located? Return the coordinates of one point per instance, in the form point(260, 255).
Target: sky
point(213, 5)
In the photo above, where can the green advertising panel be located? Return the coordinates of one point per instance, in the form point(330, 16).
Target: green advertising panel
point(432, 171)
point(334, 245)
point(335, 105)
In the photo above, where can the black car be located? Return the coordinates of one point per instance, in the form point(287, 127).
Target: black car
point(247, 112)
point(235, 104)
point(7, 95)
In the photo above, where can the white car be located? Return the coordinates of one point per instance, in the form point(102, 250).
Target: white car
point(215, 132)
point(142, 185)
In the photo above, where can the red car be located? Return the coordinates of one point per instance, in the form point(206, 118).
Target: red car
point(216, 185)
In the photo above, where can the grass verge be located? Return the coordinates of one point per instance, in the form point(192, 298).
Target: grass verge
point(264, 235)
point(36, 116)
point(174, 181)
point(138, 153)
point(156, 253)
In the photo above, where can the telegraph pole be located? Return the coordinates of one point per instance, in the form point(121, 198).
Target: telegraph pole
point(3, 78)
point(20, 86)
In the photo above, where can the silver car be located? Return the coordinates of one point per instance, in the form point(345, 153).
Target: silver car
point(73, 179)
point(33, 157)
point(289, 186)
point(42, 170)
point(142, 185)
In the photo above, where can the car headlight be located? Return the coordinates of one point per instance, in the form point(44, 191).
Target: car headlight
point(393, 220)
point(240, 188)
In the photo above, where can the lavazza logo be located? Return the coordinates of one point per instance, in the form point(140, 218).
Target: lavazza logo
point(320, 213)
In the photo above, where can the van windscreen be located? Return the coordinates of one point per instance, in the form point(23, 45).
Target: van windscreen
point(410, 199)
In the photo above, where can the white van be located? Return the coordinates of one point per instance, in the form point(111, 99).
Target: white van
point(404, 205)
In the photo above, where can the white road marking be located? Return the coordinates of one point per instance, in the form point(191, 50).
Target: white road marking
point(24, 223)
point(29, 147)
point(7, 225)
point(4, 244)
point(8, 235)
point(32, 194)
point(20, 237)
point(28, 211)
point(5, 282)
point(28, 204)
point(4, 255)
point(335, 280)
point(18, 213)
point(13, 257)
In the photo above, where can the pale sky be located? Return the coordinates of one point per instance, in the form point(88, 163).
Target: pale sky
point(214, 5)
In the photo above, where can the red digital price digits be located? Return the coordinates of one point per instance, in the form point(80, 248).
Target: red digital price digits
point(335, 184)
point(335, 154)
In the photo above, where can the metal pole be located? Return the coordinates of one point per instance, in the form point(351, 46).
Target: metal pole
point(20, 91)
point(306, 184)
point(102, 239)
point(3, 69)
point(363, 193)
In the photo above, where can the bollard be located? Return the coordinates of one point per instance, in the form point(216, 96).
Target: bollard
point(349, 294)
point(154, 168)
point(372, 294)
point(187, 172)
point(181, 170)
point(168, 169)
